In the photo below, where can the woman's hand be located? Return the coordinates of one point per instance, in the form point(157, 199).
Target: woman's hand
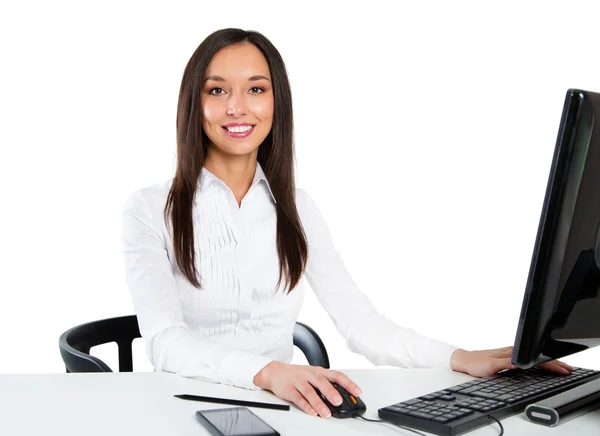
point(485, 363)
point(295, 383)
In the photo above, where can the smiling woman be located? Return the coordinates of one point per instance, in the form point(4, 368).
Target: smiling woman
point(207, 253)
point(245, 102)
point(237, 102)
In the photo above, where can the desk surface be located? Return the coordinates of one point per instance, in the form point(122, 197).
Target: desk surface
point(143, 404)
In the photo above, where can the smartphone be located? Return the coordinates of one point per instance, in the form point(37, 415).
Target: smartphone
point(234, 421)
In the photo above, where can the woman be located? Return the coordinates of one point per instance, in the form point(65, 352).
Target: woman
point(215, 257)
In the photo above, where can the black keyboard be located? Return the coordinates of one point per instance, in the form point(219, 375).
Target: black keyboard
point(467, 406)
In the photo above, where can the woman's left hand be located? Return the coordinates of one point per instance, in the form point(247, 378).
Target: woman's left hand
point(485, 363)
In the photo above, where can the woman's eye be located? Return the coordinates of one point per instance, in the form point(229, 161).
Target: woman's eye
point(216, 91)
point(256, 90)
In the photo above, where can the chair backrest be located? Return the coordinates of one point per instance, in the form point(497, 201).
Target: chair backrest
point(311, 345)
point(75, 344)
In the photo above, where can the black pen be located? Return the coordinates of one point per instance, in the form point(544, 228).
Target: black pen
point(233, 402)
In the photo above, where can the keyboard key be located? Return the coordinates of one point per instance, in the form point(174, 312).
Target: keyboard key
point(469, 390)
point(459, 388)
point(484, 394)
point(399, 409)
point(413, 401)
point(512, 400)
point(419, 414)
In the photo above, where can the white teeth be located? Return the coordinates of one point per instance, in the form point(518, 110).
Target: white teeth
point(239, 129)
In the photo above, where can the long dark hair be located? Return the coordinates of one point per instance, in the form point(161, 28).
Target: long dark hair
point(275, 155)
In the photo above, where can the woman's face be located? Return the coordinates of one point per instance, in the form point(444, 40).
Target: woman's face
point(237, 100)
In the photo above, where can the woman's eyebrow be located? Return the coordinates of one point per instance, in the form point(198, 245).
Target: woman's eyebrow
point(255, 78)
point(251, 79)
point(215, 78)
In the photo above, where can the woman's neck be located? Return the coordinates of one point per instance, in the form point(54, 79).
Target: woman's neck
point(237, 172)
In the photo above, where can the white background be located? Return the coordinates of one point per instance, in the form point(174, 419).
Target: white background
point(424, 131)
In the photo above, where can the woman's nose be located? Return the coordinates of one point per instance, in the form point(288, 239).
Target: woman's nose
point(237, 105)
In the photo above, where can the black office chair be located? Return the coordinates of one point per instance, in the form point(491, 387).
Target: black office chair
point(76, 342)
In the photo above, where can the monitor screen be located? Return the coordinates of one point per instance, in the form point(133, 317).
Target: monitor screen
point(560, 314)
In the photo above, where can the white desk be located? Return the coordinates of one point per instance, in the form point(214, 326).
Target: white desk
point(142, 404)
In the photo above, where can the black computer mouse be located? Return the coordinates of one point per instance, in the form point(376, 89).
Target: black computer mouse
point(351, 406)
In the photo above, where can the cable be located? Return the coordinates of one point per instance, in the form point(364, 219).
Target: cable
point(393, 423)
point(499, 423)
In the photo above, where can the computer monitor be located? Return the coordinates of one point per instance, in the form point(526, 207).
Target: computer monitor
point(560, 314)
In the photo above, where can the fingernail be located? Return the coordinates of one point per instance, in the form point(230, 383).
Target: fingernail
point(358, 392)
point(326, 413)
point(337, 400)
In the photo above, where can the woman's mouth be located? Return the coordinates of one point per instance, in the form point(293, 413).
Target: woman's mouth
point(239, 131)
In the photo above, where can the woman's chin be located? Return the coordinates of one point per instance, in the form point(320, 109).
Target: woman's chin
point(239, 149)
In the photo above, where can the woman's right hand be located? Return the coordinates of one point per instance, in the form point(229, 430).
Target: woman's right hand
point(295, 383)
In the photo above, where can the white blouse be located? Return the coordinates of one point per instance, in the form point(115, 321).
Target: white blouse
point(237, 323)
